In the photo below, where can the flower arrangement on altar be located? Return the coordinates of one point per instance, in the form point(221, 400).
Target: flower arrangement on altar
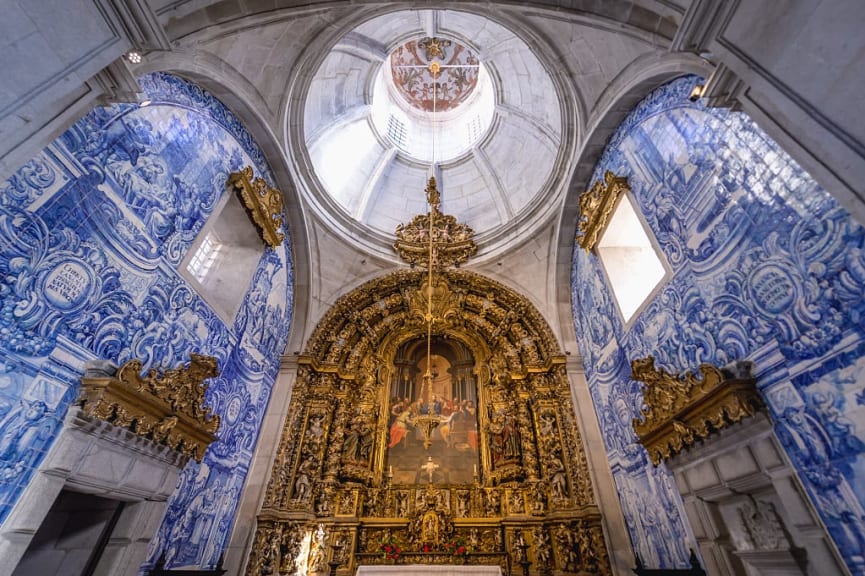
point(389, 549)
point(457, 547)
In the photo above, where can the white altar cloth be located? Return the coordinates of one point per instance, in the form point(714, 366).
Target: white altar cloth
point(425, 570)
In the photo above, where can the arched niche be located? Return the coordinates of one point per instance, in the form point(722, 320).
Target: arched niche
point(332, 490)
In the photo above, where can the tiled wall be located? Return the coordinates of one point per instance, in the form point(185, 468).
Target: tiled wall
point(765, 266)
point(92, 231)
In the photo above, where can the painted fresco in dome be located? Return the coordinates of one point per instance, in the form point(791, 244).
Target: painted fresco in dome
point(764, 262)
point(434, 69)
point(91, 232)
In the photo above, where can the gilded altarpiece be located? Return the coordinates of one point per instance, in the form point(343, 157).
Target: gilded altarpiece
point(484, 465)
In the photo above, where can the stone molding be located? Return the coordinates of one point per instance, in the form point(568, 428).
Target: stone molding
point(96, 457)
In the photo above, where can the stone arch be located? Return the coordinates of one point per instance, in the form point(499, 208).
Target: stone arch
point(341, 398)
point(200, 15)
point(476, 308)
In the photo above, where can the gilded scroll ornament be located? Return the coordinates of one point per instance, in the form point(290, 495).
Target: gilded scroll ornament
point(596, 206)
point(262, 203)
point(682, 409)
point(164, 406)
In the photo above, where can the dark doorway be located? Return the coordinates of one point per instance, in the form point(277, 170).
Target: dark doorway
point(72, 537)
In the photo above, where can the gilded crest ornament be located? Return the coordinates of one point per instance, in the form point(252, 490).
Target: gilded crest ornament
point(262, 203)
point(453, 243)
point(166, 407)
point(596, 206)
point(681, 409)
point(434, 46)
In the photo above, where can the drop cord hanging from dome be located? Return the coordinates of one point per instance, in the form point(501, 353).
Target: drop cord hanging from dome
point(435, 239)
point(430, 422)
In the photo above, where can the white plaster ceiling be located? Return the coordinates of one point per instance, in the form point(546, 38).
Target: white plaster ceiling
point(502, 178)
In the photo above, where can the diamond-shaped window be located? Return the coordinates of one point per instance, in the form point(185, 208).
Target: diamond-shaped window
point(630, 259)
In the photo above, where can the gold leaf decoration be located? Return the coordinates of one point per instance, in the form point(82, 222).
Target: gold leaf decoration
point(596, 205)
point(322, 478)
point(166, 407)
point(683, 409)
point(453, 242)
point(262, 203)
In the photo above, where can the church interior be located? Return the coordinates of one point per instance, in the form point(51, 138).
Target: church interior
point(534, 287)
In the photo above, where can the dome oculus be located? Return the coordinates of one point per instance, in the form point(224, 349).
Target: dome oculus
point(495, 135)
point(433, 99)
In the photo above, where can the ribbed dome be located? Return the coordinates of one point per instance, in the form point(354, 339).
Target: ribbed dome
point(369, 127)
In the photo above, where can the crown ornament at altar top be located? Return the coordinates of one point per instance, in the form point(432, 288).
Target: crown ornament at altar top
point(453, 243)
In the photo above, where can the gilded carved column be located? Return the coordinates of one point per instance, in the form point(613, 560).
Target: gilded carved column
point(528, 443)
point(335, 438)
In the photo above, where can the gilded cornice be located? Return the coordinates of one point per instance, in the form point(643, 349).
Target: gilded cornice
point(681, 409)
point(596, 206)
point(166, 407)
point(262, 203)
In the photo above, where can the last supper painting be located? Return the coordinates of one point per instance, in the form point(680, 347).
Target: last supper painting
point(433, 423)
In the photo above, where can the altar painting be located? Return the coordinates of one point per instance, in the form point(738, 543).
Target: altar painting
point(449, 401)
